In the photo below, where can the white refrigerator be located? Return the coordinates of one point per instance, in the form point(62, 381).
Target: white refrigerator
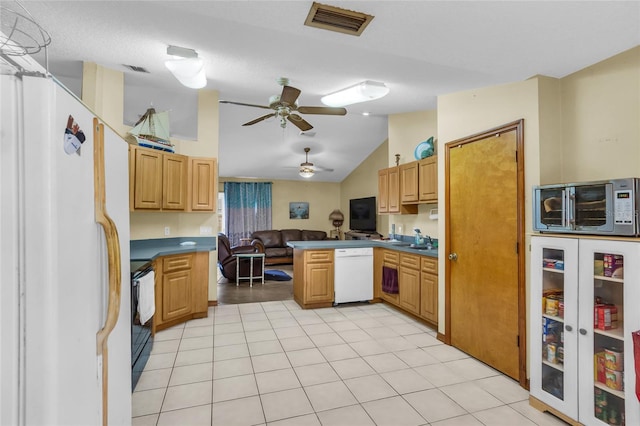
point(54, 266)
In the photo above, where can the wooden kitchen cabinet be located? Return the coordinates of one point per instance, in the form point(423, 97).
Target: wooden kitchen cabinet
point(409, 183)
point(389, 193)
point(203, 184)
point(381, 258)
point(409, 283)
point(428, 180)
point(162, 181)
point(429, 289)
point(181, 282)
point(313, 273)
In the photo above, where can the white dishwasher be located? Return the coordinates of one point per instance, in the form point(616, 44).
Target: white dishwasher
point(353, 281)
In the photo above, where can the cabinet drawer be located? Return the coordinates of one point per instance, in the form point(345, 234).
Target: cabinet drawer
point(390, 256)
point(176, 263)
point(410, 261)
point(318, 255)
point(429, 265)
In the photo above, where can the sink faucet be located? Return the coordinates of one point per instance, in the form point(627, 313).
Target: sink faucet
point(428, 241)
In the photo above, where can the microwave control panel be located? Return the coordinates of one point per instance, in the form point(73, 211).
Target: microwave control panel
point(623, 208)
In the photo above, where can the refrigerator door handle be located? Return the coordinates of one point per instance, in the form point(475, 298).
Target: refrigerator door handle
point(113, 252)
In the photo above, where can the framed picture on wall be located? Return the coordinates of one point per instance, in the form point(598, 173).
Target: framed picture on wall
point(298, 210)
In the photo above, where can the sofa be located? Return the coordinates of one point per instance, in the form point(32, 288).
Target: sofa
point(227, 262)
point(274, 243)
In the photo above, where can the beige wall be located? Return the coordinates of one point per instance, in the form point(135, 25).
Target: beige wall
point(601, 117)
point(363, 182)
point(406, 131)
point(322, 197)
point(103, 93)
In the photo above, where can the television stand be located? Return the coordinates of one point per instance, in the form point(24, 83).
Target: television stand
point(362, 235)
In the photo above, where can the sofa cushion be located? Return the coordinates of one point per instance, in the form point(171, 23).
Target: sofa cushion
point(276, 252)
point(269, 238)
point(313, 235)
point(290, 235)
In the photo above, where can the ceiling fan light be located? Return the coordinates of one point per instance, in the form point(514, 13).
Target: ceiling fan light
point(362, 92)
point(306, 172)
point(186, 67)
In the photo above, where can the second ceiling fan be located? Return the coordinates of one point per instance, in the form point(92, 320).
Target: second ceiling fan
point(285, 107)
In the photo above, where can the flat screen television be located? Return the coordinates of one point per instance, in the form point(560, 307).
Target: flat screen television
point(362, 214)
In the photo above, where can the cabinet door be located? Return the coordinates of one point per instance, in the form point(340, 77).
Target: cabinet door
point(319, 282)
point(554, 323)
point(409, 183)
point(428, 179)
point(390, 259)
point(203, 188)
point(394, 190)
point(609, 274)
point(148, 179)
point(176, 294)
point(429, 289)
point(174, 182)
point(409, 283)
point(383, 191)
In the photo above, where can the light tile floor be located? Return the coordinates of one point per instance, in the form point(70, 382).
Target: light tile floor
point(272, 363)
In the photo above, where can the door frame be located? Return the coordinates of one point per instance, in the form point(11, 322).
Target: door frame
point(518, 127)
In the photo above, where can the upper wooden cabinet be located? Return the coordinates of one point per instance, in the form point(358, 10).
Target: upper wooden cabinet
point(164, 181)
point(203, 184)
point(409, 183)
point(389, 193)
point(428, 180)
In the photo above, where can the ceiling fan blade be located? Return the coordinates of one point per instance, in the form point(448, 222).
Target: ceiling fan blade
point(299, 122)
point(243, 104)
point(321, 110)
point(259, 119)
point(289, 95)
point(322, 169)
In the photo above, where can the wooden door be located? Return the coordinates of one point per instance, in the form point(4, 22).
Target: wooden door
point(484, 231)
point(394, 190)
point(428, 179)
point(148, 179)
point(409, 284)
point(203, 189)
point(383, 191)
point(174, 182)
point(409, 182)
point(176, 294)
point(429, 289)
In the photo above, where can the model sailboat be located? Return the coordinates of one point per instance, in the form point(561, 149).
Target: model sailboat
point(152, 130)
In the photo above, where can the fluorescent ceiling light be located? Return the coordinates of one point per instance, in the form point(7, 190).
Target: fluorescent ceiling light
point(188, 69)
point(365, 91)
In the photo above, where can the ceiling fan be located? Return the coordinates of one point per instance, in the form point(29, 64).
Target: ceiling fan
point(285, 107)
point(307, 169)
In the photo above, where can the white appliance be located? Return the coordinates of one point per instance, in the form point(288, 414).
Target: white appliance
point(54, 262)
point(353, 281)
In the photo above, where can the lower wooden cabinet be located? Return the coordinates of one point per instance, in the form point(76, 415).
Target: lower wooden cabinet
point(181, 282)
point(417, 282)
point(429, 289)
point(313, 272)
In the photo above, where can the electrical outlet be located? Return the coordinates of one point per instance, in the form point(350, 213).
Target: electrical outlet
point(167, 231)
point(205, 230)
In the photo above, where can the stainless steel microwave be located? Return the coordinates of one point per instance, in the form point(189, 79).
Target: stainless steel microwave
point(607, 207)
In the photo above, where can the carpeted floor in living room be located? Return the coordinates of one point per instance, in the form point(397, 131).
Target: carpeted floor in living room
point(228, 293)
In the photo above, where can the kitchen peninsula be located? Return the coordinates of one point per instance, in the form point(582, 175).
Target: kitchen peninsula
point(416, 269)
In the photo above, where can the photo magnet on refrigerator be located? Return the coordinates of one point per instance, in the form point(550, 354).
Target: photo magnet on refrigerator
point(73, 136)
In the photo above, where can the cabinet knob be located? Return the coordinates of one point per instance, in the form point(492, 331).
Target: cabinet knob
point(453, 256)
point(583, 331)
point(568, 328)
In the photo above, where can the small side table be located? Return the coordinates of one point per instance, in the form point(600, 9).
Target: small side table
point(250, 257)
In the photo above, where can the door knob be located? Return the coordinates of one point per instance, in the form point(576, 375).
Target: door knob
point(568, 328)
point(583, 331)
point(453, 256)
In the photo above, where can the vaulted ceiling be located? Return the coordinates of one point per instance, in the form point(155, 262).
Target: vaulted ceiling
point(419, 49)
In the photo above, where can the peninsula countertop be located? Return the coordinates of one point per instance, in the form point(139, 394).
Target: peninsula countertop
point(339, 244)
point(146, 250)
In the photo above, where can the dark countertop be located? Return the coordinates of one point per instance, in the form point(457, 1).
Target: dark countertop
point(146, 250)
point(338, 244)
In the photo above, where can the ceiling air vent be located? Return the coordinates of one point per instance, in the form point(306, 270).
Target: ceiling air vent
point(337, 19)
point(136, 68)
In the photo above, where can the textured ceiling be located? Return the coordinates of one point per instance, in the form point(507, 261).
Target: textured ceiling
point(420, 49)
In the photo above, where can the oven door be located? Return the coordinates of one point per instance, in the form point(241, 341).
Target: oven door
point(591, 208)
point(550, 209)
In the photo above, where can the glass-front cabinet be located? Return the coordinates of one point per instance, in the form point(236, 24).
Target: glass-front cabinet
point(585, 303)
